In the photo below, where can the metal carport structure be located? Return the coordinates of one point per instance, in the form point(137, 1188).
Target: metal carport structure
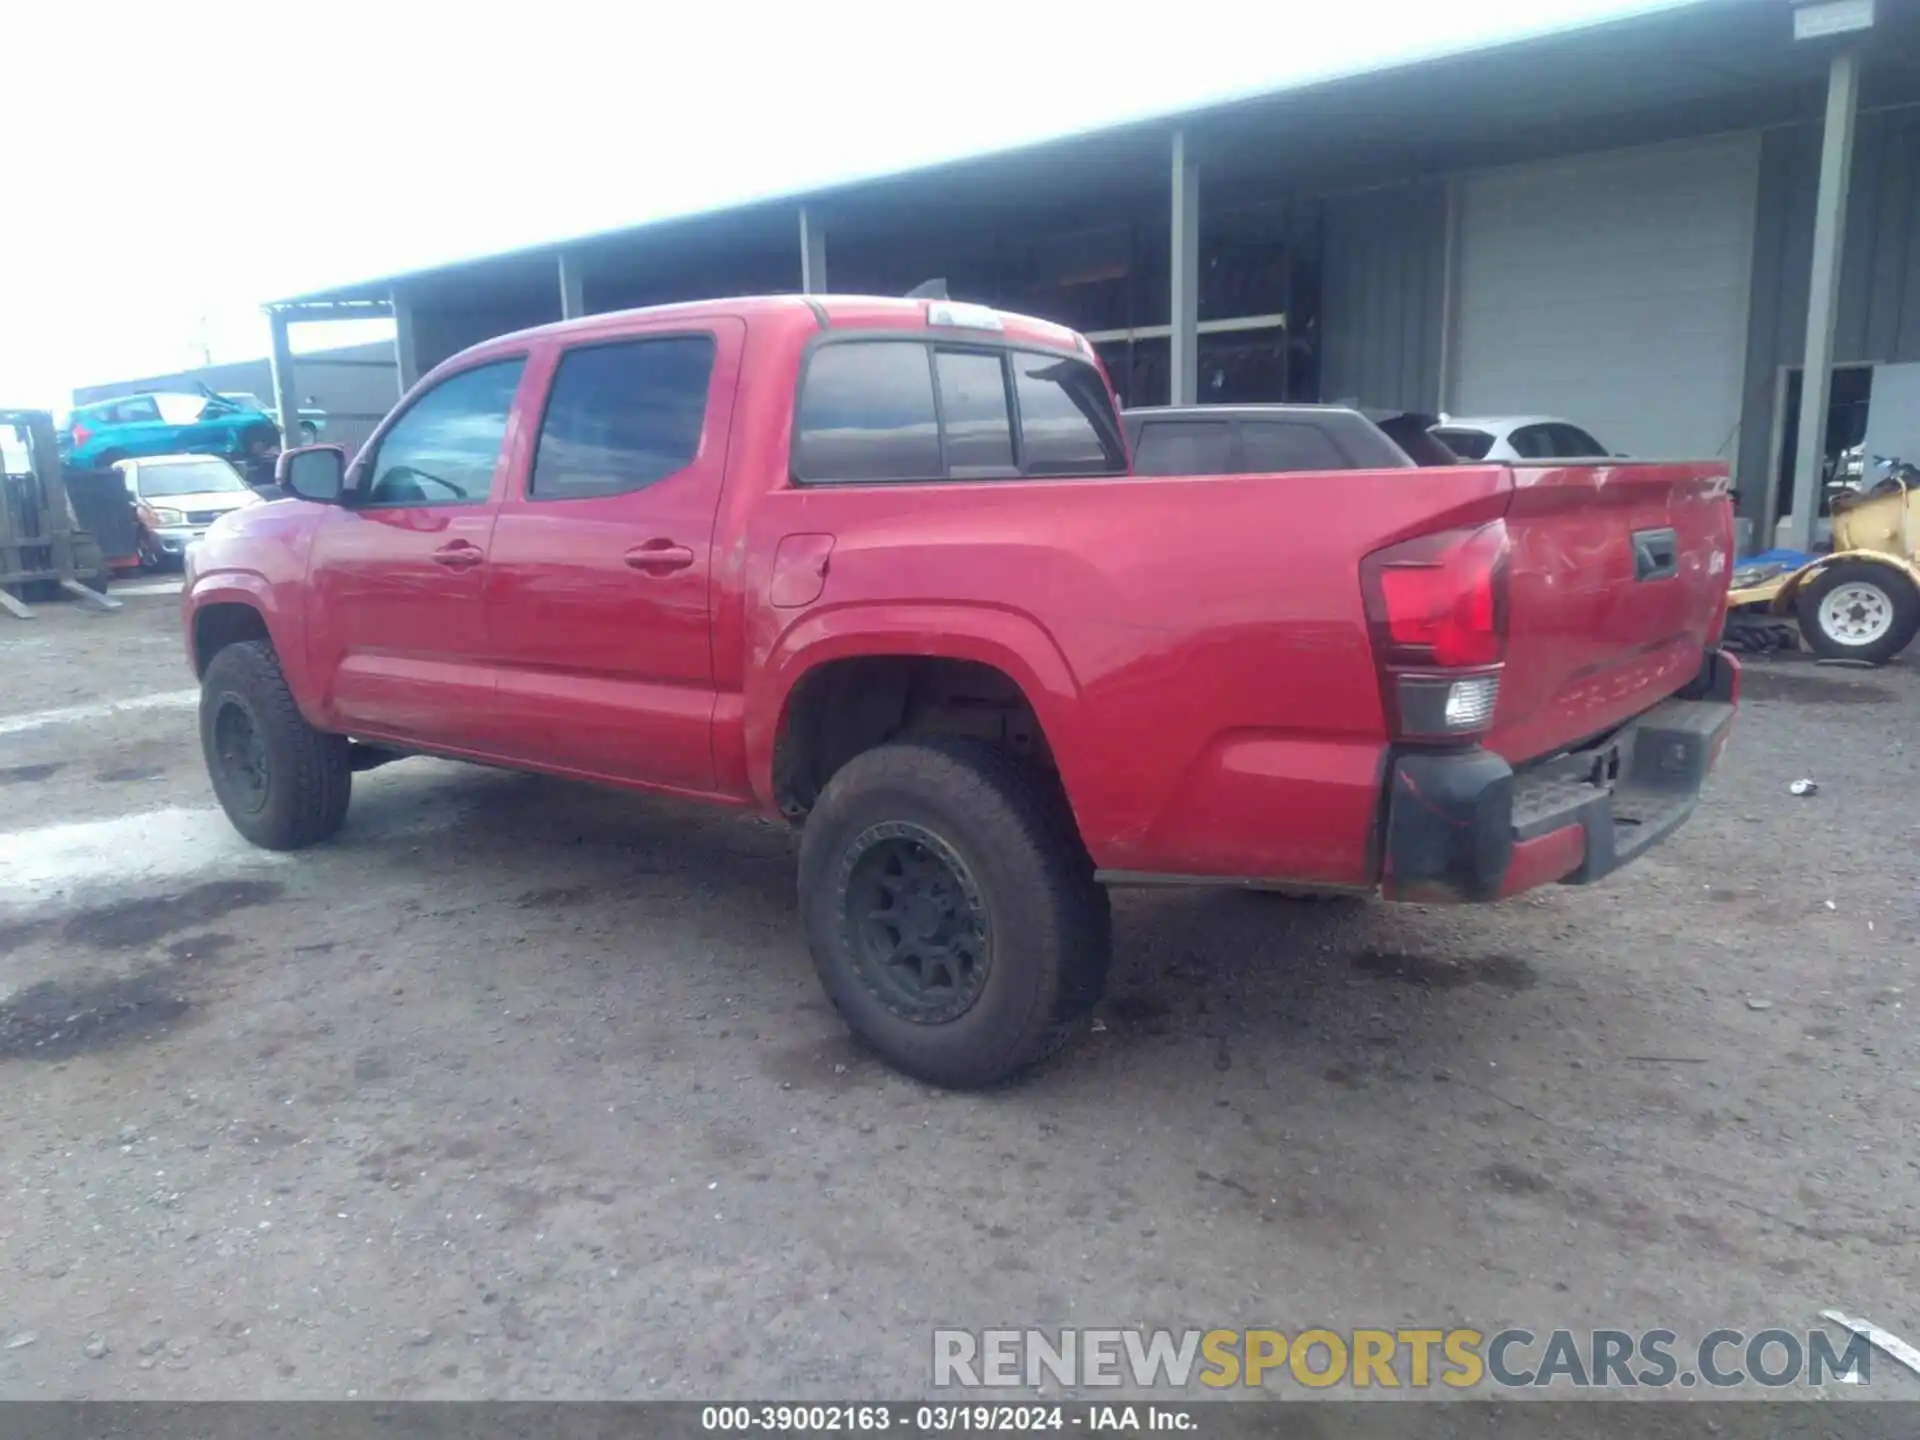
point(1371, 163)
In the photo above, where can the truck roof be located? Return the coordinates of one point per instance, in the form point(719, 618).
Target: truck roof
point(826, 312)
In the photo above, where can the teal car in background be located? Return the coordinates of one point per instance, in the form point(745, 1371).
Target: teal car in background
point(164, 423)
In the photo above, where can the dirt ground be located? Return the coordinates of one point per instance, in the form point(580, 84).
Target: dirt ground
point(524, 1089)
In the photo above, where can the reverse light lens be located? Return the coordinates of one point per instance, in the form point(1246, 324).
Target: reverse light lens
point(1434, 707)
point(1470, 702)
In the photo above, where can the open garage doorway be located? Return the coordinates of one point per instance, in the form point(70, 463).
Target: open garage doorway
point(1841, 450)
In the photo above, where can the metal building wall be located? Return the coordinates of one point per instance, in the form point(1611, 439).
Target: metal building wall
point(1879, 312)
point(1383, 269)
point(444, 327)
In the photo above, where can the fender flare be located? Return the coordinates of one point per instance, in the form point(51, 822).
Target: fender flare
point(1789, 592)
point(1007, 640)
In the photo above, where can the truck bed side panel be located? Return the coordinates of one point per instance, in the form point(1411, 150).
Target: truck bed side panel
point(1225, 715)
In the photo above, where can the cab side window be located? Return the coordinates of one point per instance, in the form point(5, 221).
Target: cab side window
point(869, 412)
point(445, 449)
point(1067, 424)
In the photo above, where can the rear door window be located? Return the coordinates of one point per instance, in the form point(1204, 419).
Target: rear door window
point(867, 413)
point(1271, 447)
point(973, 414)
point(1184, 447)
point(1067, 421)
point(622, 416)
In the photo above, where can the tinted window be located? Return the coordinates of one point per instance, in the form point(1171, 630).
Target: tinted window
point(1532, 442)
point(1467, 444)
point(1574, 443)
point(444, 450)
point(866, 413)
point(129, 412)
point(973, 412)
point(1269, 447)
point(622, 416)
point(1413, 434)
point(1184, 447)
point(1067, 424)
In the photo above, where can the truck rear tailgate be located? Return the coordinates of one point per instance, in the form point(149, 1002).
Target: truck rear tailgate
point(1617, 582)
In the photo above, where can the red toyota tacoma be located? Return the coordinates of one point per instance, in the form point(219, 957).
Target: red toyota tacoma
point(879, 567)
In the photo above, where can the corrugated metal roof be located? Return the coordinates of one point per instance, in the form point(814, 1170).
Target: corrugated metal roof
point(1232, 116)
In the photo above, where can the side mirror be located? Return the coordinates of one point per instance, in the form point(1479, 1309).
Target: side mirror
point(313, 472)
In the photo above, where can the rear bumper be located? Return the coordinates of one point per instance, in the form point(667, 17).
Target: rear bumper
point(1462, 825)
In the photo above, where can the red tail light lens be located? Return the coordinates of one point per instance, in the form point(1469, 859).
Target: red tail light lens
point(81, 434)
point(1439, 600)
point(1437, 614)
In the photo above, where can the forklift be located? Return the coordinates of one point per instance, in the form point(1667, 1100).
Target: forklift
point(45, 548)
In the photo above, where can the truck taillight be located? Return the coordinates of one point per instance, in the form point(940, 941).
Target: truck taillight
point(1437, 607)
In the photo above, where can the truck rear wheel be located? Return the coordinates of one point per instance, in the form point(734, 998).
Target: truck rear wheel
point(283, 784)
point(952, 910)
point(1858, 610)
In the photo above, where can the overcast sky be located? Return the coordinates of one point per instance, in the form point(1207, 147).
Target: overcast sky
point(195, 162)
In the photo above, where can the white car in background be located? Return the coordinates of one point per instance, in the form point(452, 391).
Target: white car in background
point(176, 497)
point(1516, 437)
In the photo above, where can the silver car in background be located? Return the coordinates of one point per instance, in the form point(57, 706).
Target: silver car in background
point(176, 497)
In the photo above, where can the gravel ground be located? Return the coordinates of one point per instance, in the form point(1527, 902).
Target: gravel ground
point(524, 1089)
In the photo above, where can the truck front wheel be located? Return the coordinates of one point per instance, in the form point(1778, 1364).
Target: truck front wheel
point(283, 784)
point(952, 910)
point(1858, 610)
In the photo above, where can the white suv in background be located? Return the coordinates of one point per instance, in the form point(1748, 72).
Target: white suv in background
point(1516, 437)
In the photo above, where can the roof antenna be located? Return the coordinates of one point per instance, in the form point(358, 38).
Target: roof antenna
point(930, 290)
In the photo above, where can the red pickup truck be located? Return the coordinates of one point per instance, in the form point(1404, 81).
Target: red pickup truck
point(879, 567)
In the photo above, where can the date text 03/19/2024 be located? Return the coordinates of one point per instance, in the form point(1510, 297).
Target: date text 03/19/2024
point(941, 1419)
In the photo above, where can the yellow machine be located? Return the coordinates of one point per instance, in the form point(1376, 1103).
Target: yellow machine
point(1862, 601)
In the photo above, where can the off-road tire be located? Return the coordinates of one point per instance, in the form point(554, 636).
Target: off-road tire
point(308, 774)
point(1901, 595)
point(1049, 928)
